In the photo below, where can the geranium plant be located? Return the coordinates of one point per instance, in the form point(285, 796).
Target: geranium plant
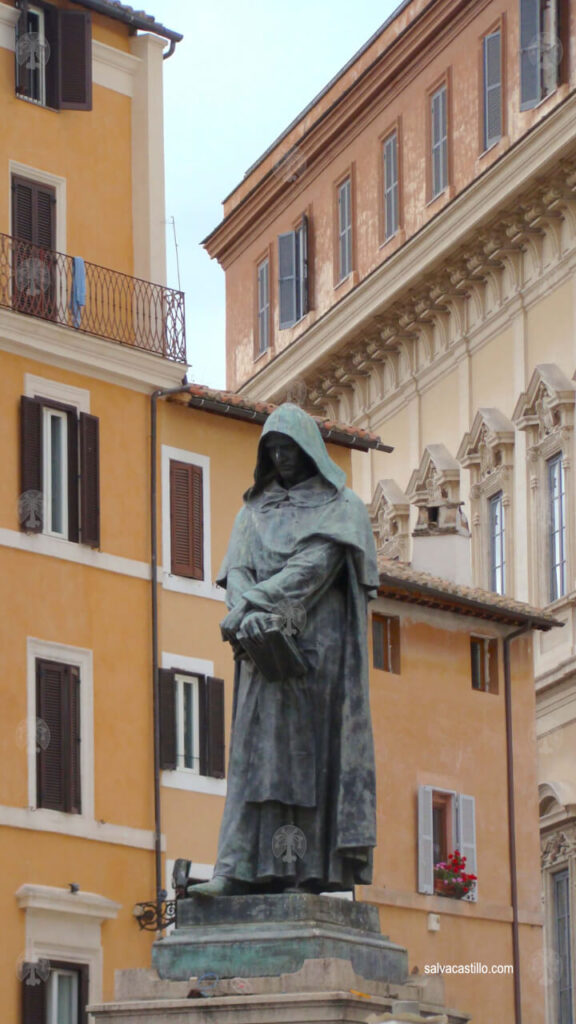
point(451, 878)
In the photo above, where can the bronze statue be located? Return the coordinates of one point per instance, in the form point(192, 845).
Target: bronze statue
point(301, 564)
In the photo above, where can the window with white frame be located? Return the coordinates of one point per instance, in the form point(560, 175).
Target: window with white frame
point(391, 186)
point(344, 229)
point(497, 543)
point(492, 54)
point(263, 306)
point(55, 993)
point(54, 57)
point(439, 141)
point(446, 822)
point(191, 723)
point(59, 475)
point(556, 526)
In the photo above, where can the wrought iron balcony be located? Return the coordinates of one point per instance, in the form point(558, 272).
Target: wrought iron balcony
point(48, 284)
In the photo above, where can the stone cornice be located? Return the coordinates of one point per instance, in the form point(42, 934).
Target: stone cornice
point(483, 231)
point(82, 353)
point(345, 118)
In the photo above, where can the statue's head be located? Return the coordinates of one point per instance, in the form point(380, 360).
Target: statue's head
point(292, 449)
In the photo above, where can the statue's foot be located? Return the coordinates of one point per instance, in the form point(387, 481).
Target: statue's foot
point(220, 885)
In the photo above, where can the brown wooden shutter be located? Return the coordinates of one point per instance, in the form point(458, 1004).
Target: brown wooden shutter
point(167, 722)
point(58, 760)
point(72, 777)
point(84, 993)
point(33, 269)
point(50, 683)
point(89, 480)
point(22, 209)
point(72, 420)
point(212, 748)
point(31, 482)
point(186, 520)
point(75, 63)
point(33, 1001)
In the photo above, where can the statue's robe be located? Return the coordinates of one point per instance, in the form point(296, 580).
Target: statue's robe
point(301, 749)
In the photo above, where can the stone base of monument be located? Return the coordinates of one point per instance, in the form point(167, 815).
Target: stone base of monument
point(263, 936)
point(275, 960)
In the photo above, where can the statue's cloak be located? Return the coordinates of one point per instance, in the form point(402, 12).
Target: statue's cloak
point(302, 751)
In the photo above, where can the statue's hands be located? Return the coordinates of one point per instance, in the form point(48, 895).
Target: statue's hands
point(231, 624)
point(255, 624)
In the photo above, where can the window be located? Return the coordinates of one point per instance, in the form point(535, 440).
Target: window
point(497, 544)
point(446, 822)
point(386, 643)
point(492, 62)
point(540, 50)
point(54, 994)
point(439, 125)
point(191, 723)
point(484, 663)
point(293, 274)
point(54, 57)
point(344, 229)
point(59, 452)
point(186, 520)
point(556, 526)
point(263, 306)
point(391, 186)
point(562, 945)
point(58, 747)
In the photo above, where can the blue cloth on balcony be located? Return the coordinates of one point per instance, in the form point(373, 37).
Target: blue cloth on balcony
point(78, 289)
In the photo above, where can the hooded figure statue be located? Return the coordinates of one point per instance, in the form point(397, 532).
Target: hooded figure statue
point(300, 808)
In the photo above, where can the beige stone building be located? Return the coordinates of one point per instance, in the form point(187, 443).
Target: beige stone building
point(403, 258)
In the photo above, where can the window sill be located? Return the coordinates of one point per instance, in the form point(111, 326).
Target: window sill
point(195, 588)
point(447, 194)
point(193, 783)
point(501, 144)
point(36, 103)
point(351, 280)
point(398, 238)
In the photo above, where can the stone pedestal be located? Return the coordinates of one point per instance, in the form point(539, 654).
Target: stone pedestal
point(280, 959)
point(266, 936)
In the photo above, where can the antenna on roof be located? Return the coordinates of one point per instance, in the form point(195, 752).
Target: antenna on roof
point(173, 223)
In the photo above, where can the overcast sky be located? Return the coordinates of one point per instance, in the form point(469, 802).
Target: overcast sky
point(243, 72)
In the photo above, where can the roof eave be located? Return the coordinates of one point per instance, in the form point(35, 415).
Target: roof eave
point(131, 18)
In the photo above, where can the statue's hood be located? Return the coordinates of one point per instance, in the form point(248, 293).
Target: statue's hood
point(296, 424)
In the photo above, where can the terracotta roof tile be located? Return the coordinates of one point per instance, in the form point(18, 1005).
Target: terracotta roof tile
point(138, 19)
point(424, 588)
point(229, 403)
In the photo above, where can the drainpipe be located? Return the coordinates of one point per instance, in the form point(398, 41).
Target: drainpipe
point(160, 892)
point(512, 819)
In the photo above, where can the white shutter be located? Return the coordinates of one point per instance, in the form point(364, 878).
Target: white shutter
point(492, 89)
point(425, 840)
point(287, 279)
point(466, 835)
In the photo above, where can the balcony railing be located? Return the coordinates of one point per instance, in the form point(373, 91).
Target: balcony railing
point(92, 299)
